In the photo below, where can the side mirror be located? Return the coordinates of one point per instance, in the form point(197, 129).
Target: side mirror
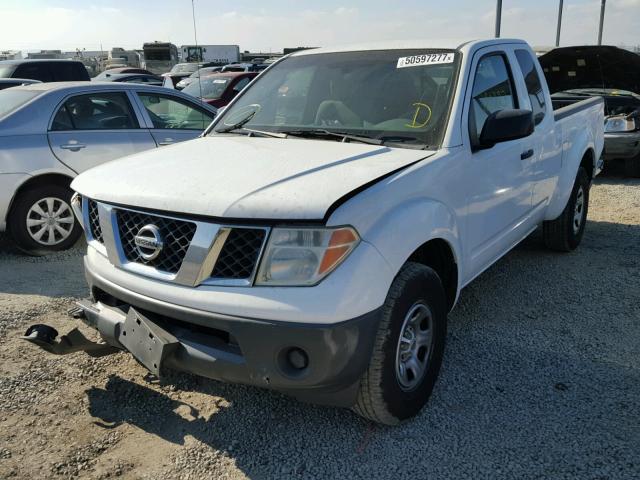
point(506, 125)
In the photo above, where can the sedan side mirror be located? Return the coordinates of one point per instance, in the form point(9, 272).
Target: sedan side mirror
point(506, 125)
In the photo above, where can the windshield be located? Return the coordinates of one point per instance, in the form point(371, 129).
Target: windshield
point(184, 68)
point(6, 70)
point(11, 99)
point(404, 94)
point(210, 88)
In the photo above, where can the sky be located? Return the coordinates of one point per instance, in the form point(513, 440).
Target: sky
point(251, 24)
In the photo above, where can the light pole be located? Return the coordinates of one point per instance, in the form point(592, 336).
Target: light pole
point(602, 5)
point(559, 24)
point(498, 17)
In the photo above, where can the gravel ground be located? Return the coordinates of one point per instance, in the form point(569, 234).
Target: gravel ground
point(541, 379)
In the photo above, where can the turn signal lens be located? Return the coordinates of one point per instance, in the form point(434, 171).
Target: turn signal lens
point(304, 256)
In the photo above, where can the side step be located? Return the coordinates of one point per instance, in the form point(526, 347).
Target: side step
point(46, 337)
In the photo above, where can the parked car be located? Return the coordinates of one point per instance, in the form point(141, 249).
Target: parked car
point(245, 67)
point(15, 82)
point(44, 70)
point(121, 70)
point(612, 73)
point(185, 82)
point(314, 239)
point(179, 72)
point(220, 88)
point(145, 79)
point(51, 132)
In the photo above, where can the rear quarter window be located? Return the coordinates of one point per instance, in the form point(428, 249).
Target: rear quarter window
point(34, 71)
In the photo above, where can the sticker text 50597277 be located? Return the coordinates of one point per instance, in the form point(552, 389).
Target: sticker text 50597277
point(426, 59)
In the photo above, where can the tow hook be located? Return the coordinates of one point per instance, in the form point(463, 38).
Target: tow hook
point(46, 337)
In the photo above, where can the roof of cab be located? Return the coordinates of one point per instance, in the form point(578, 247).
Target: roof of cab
point(438, 44)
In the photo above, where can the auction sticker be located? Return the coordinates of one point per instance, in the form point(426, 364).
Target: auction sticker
point(426, 59)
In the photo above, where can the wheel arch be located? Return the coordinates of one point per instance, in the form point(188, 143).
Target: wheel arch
point(439, 255)
point(44, 179)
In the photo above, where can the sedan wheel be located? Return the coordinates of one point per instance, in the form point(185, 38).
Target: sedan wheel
point(50, 221)
point(41, 220)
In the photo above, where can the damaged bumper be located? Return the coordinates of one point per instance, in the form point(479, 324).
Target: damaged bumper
point(315, 363)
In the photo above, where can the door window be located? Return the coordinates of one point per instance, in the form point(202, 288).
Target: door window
point(492, 91)
point(173, 113)
point(534, 86)
point(96, 111)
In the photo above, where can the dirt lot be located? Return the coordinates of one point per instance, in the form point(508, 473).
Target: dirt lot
point(541, 379)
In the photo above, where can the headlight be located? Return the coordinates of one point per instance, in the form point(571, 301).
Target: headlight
point(619, 124)
point(304, 256)
point(76, 206)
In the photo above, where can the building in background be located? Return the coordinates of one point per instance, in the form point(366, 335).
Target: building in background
point(10, 55)
point(45, 55)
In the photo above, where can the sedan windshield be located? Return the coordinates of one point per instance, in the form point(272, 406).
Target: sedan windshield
point(399, 96)
point(6, 70)
point(11, 99)
point(184, 68)
point(210, 88)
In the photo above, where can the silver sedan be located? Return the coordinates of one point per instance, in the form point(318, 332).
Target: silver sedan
point(51, 132)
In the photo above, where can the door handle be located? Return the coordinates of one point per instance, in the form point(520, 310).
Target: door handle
point(527, 154)
point(74, 147)
point(166, 141)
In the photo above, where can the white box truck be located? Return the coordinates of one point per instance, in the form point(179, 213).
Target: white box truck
point(222, 54)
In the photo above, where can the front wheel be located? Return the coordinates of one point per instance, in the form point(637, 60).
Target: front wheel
point(42, 221)
point(408, 348)
point(565, 232)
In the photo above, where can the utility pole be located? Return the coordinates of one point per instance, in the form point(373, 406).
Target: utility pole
point(559, 24)
point(602, 5)
point(498, 17)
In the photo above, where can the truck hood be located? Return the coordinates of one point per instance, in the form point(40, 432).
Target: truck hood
point(602, 67)
point(244, 177)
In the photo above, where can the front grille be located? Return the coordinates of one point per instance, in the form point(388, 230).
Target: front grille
point(239, 255)
point(94, 222)
point(176, 237)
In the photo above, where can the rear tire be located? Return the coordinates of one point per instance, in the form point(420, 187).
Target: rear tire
point(565, 232)
point(632, 167)
point(42, 221)
point(412, 334)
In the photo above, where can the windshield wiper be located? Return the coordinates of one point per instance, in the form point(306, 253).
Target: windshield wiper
point(240, 126)
point(320, 132)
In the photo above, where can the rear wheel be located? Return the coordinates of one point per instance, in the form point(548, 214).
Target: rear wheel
point(408, 349)
point(632, 167)
point(565, 232)
point(42, 220)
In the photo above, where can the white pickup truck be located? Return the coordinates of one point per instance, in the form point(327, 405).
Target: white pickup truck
point(316, 236)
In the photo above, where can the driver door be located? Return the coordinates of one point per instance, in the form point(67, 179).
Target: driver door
point(173, 119)
point(499, 186)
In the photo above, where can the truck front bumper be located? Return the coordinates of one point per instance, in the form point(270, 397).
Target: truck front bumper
point(319, 363)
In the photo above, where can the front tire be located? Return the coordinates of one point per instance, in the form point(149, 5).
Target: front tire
point(408, 349)
point(42, 221)
point(565, 232)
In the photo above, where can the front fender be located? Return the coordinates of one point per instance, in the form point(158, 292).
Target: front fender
point(400, 231)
